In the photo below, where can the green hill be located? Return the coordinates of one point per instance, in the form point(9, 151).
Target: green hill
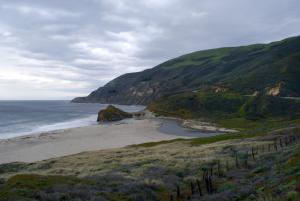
point(269, 68)
point(209, 104)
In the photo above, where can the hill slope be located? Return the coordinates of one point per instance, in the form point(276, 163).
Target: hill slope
point(209, 104)
point(272, 68)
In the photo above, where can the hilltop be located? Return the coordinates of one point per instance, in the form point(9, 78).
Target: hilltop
point(271, 69)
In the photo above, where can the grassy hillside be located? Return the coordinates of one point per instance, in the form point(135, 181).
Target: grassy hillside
point(268, 68)
point(210, 104)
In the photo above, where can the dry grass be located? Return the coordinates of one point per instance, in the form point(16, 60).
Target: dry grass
point(132, 161)
point(156, 170)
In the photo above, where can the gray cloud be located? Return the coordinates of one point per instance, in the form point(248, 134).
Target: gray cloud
point(55, 49)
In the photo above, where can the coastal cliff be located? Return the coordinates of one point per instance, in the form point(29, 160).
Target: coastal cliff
point(269, 68)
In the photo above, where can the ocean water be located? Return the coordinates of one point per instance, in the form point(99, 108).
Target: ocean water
point(19, 118)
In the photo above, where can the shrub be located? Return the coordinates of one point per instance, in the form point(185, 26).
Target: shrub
point(292, 196)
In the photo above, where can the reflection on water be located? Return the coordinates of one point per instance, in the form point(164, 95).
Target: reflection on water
point(173, 127)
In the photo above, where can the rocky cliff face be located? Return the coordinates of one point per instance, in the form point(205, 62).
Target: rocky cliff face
point(276, 90)
point(243, 69)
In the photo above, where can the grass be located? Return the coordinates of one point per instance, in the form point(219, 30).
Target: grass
point(257, 125)
point(219, 138)
point(26, 185)
point(155, 170)
point(152, 144)
point(212, 56)
point(11, 167)
point(198, 141)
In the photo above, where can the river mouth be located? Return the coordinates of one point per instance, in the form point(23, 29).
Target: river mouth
point(174, 127)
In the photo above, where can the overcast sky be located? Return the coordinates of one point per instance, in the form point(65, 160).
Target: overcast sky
point(59, 49)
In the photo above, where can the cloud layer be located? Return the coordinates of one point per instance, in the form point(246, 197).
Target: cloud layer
point(55, 49)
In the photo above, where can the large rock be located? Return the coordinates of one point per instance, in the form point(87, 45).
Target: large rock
point(112, 113)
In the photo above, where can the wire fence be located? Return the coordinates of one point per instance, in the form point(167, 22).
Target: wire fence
point(218, 168)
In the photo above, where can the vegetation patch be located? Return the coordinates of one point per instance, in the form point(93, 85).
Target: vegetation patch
point(27, 185)
point(218, 138)
point(152, 144)
point(226, 105)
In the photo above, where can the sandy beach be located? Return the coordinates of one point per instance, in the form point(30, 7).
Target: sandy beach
point(43, 146)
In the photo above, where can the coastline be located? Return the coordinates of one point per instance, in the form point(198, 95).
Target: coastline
point(62, 142)
point(46, 145)
point(28, 117)
point(53, 127)
point(199, 125)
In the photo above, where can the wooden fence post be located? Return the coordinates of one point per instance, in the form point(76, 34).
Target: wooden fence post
point(246, 159)
point(236, 160)
point(210, 184)
point(205, 172)
point(219, 168)
point(199, 187)
point(227, 165)
point(206, 184)
point(192, 188)
point(253, 154)
point(178, 191)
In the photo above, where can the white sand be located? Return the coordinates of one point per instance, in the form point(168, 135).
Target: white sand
point(71, 141)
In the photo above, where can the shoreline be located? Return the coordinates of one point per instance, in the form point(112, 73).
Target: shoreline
point(54, 127)
point(39, 117)
point(199, 125)
point(58, 143)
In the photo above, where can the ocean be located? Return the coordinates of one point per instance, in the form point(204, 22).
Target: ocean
point(19, 118)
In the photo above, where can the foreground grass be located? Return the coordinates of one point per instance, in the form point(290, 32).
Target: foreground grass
point(273, 175)
point(27, 186)
point(151, 171)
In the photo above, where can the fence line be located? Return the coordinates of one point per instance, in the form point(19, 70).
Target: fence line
point(208, 175)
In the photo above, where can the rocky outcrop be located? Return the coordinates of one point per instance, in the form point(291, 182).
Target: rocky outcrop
point(255, 93)
point(111, 113)
point(275, 90)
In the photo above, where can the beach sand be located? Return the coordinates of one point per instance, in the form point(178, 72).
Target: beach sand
point(43, 146)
